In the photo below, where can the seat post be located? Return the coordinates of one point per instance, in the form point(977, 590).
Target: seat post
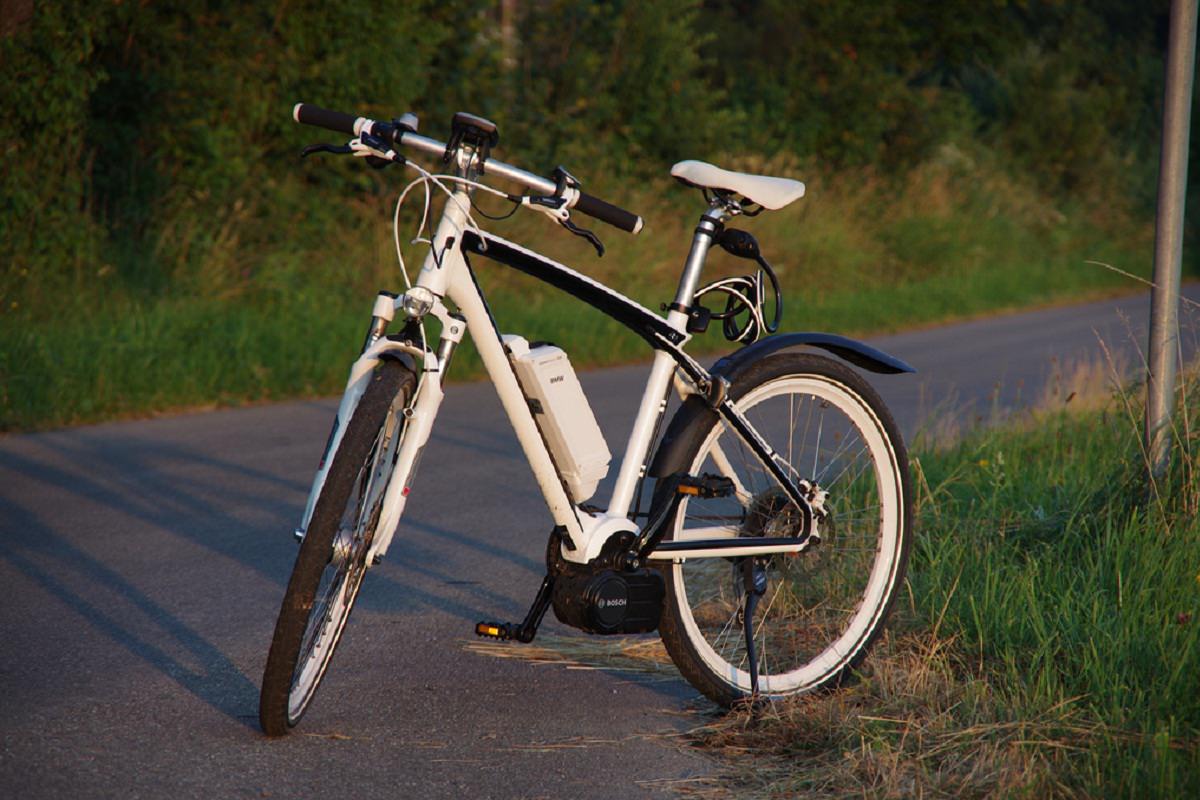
point(706, 232)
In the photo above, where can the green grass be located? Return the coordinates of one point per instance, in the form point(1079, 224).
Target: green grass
point(1049, 645)
point(279, 300)
point(1074, 592)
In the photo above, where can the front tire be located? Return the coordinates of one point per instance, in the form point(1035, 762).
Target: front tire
point(826, 605)
point(332, 560)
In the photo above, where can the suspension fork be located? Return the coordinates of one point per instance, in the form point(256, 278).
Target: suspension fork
point(375, 347)
point(417, 426)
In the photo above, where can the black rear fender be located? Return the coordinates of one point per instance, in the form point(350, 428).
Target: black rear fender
point(669, 457)
point(860, 355)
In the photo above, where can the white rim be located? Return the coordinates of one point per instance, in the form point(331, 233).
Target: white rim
point(883, 573)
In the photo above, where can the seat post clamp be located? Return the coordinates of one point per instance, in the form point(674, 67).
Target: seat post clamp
point(710, 227)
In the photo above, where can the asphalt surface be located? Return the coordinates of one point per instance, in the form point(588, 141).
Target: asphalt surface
point(143, 564)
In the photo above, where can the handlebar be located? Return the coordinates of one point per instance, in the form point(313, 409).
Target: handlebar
point(351, 125)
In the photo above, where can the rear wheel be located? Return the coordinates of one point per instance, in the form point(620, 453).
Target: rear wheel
point(825, 606)
point(333, 556)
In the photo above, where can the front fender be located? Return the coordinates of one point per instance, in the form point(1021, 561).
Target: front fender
point(669, 457)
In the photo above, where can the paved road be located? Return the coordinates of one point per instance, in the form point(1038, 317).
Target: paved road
point(143, 564)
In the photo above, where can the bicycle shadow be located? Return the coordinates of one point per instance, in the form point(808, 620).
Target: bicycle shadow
point(212, 677)
point(414, 583)
point(139, 481)
point(168, 497)
point(237, 511)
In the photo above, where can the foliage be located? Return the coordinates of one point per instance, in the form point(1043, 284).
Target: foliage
point(961, 237)
point(1079, 101)
point(861, 83)
point(49, 76)
point(150, 158)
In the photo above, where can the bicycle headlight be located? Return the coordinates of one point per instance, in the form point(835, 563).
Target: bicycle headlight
point(417, 302)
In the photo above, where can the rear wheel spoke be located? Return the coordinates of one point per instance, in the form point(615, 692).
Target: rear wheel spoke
point(823, 605)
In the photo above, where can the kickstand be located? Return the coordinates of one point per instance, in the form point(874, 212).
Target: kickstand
point(528, 628)
point(754, 584)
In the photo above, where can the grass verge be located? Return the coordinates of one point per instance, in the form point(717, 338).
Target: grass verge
point(278, 308)
point(1051, 641)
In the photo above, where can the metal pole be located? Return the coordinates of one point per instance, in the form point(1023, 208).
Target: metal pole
point(508, 34)
point(1168, 235)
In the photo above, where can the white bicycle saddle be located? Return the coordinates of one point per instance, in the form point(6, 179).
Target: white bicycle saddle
point(770, 193)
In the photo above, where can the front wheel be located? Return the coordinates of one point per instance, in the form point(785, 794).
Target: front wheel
point(332, 559)
point(824, 606)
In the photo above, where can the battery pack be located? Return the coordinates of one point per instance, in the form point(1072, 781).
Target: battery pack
point(562, 413)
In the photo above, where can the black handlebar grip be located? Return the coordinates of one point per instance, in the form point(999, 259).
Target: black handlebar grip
point(607, 212)
point(324, 118)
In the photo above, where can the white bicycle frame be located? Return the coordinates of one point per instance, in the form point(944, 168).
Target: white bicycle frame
point(447, 275)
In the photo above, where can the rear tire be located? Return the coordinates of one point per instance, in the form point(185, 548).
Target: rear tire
point(826, 605)
point(332, 560)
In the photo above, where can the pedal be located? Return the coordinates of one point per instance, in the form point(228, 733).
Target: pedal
point(502, 631)
point(507, 631)
point(705, 486)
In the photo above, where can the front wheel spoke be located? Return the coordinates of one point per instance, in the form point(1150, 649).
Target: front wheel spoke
point(324, 584)
point(347, 545)
point(320, 615)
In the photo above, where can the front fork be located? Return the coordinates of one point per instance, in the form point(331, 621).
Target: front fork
point(419, 413)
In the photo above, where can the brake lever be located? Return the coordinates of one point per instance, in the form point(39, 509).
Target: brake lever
point(554, 207)
point(586, 234)
point(325, 148)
